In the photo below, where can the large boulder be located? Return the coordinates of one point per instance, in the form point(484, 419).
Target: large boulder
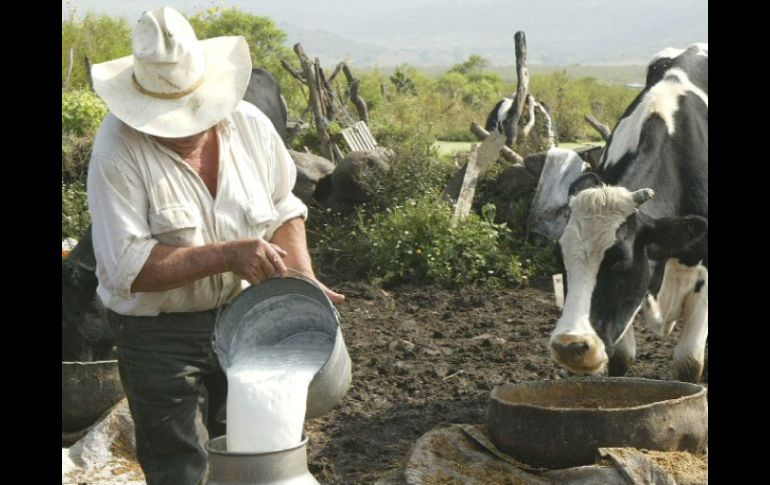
point(514, 181)
point(354, 177)
point(311, 171)
point(107, 454)
point(535, 162)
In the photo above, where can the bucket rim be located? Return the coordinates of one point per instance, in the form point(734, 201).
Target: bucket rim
point(228, 316)
point(223, 438)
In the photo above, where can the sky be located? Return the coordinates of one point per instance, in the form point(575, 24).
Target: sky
point(436, 32)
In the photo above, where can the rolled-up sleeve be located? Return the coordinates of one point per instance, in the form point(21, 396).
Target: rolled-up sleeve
point(120, 231)
point(287, 205)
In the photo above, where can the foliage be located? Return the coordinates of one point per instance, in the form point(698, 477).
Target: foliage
point(99, 37)
point(75, 217)
point(82, 112)
point(266, 45)
point(415, 242)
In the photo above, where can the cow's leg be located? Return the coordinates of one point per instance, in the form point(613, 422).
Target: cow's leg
point(662, 312)
point(624, 354)
point(690, 350)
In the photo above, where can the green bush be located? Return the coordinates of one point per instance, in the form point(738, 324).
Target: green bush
point(99, 37)
point(75, 217)
point(82, 111)
point(75, 155)
point(415, 242)
point(414, 168)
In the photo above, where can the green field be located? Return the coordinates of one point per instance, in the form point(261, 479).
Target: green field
point(448, 149)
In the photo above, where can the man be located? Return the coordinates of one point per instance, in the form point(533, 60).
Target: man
point(189, 190)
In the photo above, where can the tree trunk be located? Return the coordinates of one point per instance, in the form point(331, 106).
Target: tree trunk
point(522, 88)
point(316, 102)
point(506, 152)
point(355, 95)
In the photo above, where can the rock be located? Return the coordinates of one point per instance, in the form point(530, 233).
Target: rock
point(311, 170)
point(355, 174)
point(535, 162)
point(515, 180)
point(107, 454)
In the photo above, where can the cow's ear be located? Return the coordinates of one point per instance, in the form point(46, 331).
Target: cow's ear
point(675, 233)
point(585, 181)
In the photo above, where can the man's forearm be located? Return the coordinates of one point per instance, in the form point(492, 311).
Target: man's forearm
point(291, 237)
point(170, 267)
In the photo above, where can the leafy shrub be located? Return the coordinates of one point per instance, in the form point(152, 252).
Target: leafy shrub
point(415, 242)
point(75, 217)
point(99, 37)
point(82, 111)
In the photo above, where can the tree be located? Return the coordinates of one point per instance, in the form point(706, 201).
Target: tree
point(265, 40)
point(474, 64)
point(404, 85)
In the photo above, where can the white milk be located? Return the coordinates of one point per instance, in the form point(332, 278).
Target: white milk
point(267, 393)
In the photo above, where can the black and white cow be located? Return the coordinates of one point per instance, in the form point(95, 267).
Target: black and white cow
point(500, 119)
point(85, 332)
point(637, 234)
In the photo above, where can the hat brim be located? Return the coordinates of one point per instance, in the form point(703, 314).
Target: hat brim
point(228, 70)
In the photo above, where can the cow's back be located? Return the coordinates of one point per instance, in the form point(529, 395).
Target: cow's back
point(264, 92)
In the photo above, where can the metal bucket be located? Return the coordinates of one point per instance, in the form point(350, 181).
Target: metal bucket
point(283, 467)
point(276, 311)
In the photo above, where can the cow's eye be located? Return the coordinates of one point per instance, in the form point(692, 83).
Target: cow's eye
point(618, 258)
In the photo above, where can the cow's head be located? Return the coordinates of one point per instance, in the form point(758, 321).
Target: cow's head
point(605, 247)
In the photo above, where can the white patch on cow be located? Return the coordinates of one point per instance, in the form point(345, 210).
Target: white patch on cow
point(703, 48)
point(663, 311)
point(691, 348)
point(596, 214)
point(662, 99)
point(668, 52)
point(503, 109)
point(547, 216)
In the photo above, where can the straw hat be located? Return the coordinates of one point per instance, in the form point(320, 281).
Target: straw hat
point(174, 85)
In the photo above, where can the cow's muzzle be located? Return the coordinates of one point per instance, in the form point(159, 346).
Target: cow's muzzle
point(582, 354)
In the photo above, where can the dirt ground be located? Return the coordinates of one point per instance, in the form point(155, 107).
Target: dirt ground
point(425, 356)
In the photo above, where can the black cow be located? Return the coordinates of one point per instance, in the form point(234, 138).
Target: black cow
point(85, 332)
point(264, 92)
point(637, 233)
point(86, 336)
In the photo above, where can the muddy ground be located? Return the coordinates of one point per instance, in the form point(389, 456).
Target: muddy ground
point(425, 356)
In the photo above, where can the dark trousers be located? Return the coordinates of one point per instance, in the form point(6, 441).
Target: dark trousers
point(176, 391)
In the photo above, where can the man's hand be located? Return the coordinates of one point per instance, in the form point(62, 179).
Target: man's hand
point(254, 259)
point(335, 297)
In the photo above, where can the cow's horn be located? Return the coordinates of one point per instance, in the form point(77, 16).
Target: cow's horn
point(642, 195)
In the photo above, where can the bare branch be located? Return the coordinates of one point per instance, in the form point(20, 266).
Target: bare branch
point(506, 152)
point(603, 129)
point(531, 116)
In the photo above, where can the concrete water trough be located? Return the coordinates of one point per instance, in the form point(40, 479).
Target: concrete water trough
point(562, 423)
point(88, 391)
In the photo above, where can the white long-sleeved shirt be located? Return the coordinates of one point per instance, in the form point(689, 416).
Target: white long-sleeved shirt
point(141, 193)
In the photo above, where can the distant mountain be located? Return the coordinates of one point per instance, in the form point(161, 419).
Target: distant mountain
point(445, 32)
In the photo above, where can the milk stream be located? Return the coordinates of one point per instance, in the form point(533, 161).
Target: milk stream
point(267, 393)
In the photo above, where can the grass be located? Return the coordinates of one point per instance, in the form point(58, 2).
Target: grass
point(448, 149)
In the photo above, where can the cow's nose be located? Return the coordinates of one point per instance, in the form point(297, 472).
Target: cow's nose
point(572, 351)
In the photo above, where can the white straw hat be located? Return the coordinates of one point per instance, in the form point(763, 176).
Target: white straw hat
point(174, 85)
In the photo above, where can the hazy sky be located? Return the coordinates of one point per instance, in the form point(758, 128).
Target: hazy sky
point(436, 31)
